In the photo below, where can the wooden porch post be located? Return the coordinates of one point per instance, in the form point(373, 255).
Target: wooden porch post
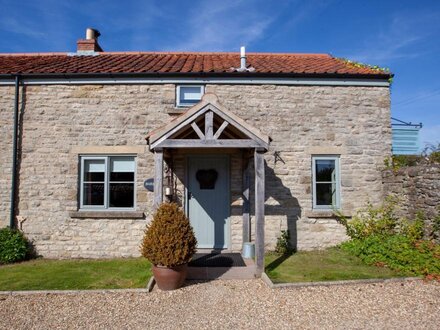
point(246, 201)
point(259, 211)
point(158, 177)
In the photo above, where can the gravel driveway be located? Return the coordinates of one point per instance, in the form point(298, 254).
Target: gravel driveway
point(232, 304)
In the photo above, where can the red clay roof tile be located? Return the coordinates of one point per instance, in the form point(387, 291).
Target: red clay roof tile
point(178, 63)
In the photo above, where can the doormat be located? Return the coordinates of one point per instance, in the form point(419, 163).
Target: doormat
point(217, 260)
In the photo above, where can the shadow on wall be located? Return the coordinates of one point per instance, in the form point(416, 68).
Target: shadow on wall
point(287, 205)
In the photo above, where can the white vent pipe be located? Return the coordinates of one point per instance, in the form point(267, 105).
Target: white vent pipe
point(242, 58)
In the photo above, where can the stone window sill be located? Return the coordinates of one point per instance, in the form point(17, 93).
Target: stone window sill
point(107, 214)
point(324, 214)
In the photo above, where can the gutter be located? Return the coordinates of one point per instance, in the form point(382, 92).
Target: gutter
point(198, 75)
point(14, 153)
point(124, 78)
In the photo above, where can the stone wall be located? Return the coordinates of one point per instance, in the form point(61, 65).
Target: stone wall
point(418, 189)
point(6, 129)
point(61, 122)
point(353, 122)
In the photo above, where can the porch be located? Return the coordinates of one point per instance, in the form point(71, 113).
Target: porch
point(205, 160)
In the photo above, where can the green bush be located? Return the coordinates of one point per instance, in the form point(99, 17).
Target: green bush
point(372, 220)
point(434, 157)
point(13, 246)
point(431, 152)
point(169, 239)
point(395, 162)
point(435, 231)
point(397, 252)
point(283, 246)
point(382, 221)
point(429, 155)
point(413, 230)
point(380, 237)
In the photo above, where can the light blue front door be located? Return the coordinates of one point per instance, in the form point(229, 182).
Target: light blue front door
point(208, 200)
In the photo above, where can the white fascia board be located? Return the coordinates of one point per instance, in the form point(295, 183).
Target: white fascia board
point(217, 80)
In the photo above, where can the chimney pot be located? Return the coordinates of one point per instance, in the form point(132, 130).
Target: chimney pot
point(92, 34)
point(90, 43)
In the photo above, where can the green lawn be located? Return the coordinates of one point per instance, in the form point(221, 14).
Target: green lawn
point(41, 274)
point(44, 274)
point(326, 265)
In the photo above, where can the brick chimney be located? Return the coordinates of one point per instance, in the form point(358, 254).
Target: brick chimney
point(90, 43)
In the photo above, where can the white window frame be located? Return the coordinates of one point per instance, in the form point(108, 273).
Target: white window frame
point(178, 104)
point(336, 159)
point(107, 162)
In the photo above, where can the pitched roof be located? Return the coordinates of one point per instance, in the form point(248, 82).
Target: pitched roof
point(183, 63)
point(209, 103)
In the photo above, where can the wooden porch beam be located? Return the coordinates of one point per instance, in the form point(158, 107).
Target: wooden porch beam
point(209, 125)
point(246, 202)
point(197, 130)
point(196, 143)
point(259, 211)
point(158, 178)
point(220, 130)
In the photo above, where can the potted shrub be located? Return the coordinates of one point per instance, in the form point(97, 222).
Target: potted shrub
point(169, 244)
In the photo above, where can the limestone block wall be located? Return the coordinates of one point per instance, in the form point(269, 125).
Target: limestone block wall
point(418, 189)
point(60, 122)
point(353, 122)
point(7, 94)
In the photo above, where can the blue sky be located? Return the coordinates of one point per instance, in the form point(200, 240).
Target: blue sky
point(402, 35)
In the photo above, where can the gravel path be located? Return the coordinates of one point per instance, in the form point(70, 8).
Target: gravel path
point(232, 304)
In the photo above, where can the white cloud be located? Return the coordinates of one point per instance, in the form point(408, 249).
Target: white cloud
point(405, 31)
point(223, 25)
point(12, 25)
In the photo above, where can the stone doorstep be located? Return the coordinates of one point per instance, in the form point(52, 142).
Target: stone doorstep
point(215, 273)
point(223, 273)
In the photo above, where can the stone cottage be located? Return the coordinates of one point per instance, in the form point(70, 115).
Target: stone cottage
point(249, 144)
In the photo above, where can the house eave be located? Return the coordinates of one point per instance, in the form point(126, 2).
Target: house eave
point(331, 79)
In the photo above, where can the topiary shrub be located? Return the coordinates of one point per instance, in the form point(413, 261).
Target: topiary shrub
point(14, 246)
point(169, 239)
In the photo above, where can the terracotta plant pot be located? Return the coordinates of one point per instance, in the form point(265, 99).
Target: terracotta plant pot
point(170, 278)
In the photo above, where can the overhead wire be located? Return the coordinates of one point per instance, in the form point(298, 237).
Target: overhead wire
point(419, 97)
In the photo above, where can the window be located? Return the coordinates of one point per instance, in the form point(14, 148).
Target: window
point(326, 182)
point(107, 182)
point(188, 95)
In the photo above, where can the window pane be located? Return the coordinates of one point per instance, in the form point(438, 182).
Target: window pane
point(121, 176)
point(122, 169)
point(121, 195)
point(122, 164)
point(94, 170)
point(325, 170)
point(326, 194)
point(93, 194)
point(190, 95)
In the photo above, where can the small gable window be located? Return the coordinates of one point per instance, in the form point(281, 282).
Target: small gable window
point(188, 95)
